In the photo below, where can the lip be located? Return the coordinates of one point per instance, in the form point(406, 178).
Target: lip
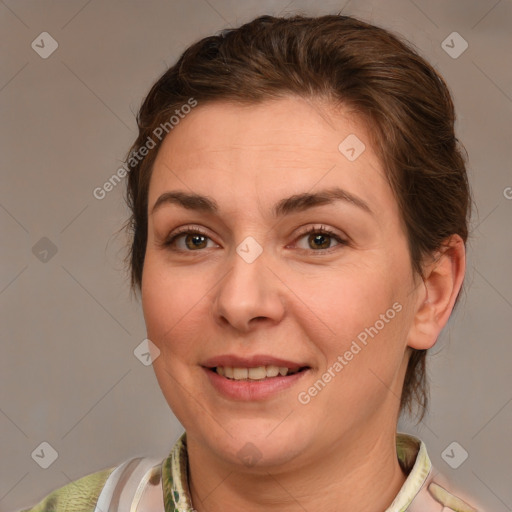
point(256, 390)
point(251, 362)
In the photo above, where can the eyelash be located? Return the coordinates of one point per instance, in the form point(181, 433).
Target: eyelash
point(322, 230)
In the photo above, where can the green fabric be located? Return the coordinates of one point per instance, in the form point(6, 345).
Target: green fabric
point(78, 496)
point(175, 478)
point(170, 496)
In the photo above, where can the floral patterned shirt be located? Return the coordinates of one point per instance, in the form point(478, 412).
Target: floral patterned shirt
point(146, 485)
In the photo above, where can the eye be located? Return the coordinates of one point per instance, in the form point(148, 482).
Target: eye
point(319, 239)
point(194, 239)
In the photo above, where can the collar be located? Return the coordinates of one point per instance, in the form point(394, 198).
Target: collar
point(411, 452)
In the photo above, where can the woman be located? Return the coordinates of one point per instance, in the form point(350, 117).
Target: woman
point(299, 217)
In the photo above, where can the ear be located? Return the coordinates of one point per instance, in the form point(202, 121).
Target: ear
point(442, 282)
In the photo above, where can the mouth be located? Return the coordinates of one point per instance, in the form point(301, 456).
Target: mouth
point(256, 373)
point(259, 377)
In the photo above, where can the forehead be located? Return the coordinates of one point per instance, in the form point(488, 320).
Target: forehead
point(269, 149)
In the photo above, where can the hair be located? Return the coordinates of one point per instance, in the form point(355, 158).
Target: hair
point(403, 101)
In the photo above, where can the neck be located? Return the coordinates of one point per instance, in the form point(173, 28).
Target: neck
point(360, 473)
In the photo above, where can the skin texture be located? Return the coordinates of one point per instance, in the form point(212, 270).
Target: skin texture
point(303, 299)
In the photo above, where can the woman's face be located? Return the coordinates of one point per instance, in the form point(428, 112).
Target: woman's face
point(254, 289)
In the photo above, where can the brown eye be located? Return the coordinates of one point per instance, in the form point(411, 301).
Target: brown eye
point(194, 239)
point(319, 239)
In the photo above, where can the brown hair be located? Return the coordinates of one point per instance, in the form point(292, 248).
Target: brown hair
point(406, 105)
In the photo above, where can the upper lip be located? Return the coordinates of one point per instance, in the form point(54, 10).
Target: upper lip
point(250, 362)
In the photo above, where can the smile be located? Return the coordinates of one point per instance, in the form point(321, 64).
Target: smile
point(256, 373)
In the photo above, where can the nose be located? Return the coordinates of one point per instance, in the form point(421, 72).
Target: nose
point(249, 294)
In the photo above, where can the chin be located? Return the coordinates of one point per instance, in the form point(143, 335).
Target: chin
point(256, 443)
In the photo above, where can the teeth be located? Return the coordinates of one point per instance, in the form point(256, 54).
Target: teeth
point(273, 371)
point(240, 373)
point(257, 373)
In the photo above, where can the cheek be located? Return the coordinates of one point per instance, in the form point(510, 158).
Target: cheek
point(353, 298)
point(171, 302)
point(361, 360)
point(364, 311)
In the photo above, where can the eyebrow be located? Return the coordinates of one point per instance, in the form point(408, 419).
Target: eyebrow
point(286, 206)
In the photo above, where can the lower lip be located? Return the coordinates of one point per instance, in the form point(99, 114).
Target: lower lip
point(249, 390)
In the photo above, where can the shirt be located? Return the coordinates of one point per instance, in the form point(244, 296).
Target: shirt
point(145, 484)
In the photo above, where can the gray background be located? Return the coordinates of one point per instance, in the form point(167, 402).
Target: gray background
point(69, 326)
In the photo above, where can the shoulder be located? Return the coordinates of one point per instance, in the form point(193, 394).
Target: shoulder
point(118, 488)
point(78, 496)
point(443, 493)
point(426, 489)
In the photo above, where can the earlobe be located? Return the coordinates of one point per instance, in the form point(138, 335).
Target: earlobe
point(442, 282)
